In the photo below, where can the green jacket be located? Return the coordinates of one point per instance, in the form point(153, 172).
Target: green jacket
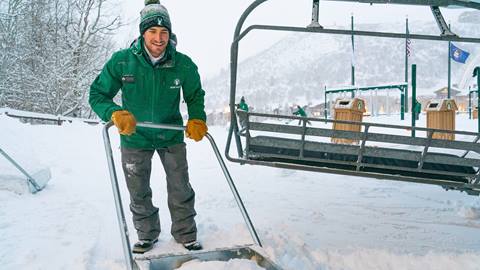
point(150, 92)
point(300, 112)
point(242, 105)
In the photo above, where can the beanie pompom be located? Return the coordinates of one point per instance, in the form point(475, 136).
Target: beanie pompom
point(154, 14)
point(150, 2)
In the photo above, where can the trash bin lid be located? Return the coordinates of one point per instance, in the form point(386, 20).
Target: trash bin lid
point(356, 104)
point(442, 105)
point(343, 104)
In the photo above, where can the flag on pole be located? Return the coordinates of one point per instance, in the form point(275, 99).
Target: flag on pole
point(408, 42)
point(458, 54)
point(409, 47)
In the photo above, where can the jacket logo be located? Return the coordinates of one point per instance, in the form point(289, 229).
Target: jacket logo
point(176, 84)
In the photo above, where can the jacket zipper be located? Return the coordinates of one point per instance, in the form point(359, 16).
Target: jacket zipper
point(154, 90)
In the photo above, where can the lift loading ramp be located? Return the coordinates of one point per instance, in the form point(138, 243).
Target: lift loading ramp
point(172, 261)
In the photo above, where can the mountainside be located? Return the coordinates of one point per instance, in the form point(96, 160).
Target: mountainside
point(296, 69)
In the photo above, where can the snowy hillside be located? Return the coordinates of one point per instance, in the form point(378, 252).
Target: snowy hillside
point(308, 221)
point(300, 66)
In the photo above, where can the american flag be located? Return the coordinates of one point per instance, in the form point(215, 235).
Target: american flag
point(408, 42)
point(408, 47)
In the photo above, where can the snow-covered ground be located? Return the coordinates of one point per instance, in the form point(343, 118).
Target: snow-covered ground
point(305, 220)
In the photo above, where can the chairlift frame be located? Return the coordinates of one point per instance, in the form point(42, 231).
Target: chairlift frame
point(280, 152)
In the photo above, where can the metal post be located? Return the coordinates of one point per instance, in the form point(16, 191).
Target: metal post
point(449, 70)
point(326, 102)
point(353, 58)
point(315, 12)
point(402, 104)
point(414, 96)
point(442, 25)
point(478, 97)
point(407, 53)
point(476, 72)
point(469, 103)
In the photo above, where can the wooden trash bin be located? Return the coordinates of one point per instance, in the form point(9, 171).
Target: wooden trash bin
point(441, 115)
point(348, 110)
point(475, 113)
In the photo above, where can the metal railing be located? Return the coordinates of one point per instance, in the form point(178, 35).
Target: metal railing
point(39, 118)
point(117, 195)
point(277, 144)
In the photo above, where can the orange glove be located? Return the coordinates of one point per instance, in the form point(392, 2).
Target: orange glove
point(196, 129)
point(125, 122)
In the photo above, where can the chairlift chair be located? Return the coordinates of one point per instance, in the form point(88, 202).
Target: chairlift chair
point(450, 164)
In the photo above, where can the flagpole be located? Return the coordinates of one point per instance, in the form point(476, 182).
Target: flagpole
point(406, 63)
point(414, 97)
point(353, 58)
point(476, 72)
point(449, 66)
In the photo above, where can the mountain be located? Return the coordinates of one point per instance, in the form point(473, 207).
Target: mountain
point(297, 69)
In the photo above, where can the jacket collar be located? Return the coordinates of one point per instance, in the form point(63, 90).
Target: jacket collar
point(137, 47)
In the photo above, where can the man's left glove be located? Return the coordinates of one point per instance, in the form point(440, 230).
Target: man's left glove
point(196, 129)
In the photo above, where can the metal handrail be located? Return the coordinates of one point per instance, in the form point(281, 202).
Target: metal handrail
point(117, 197)
point(127, 252)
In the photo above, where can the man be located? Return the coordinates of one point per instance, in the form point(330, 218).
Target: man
point(243, 118)
point(151, 74)
point(301, 112)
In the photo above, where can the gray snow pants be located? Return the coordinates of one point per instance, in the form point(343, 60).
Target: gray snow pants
point(137, 167)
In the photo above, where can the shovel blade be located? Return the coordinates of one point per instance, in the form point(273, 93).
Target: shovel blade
point(39, 180)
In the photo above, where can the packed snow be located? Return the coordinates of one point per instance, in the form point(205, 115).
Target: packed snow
point(305, 220)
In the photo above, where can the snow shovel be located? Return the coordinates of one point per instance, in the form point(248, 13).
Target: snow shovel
point(36, 181)
point(173, 261)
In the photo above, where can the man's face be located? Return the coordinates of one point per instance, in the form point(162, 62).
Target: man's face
point(156, 40)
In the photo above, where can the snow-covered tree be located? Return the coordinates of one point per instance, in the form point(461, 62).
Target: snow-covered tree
point(50, 52)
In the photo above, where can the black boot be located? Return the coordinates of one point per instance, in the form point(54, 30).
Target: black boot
point(143, 246)
point(194, 245)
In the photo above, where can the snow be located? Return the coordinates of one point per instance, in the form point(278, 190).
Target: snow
point(305, 220)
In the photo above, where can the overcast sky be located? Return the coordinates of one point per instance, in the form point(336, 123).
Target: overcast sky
point(205, 28)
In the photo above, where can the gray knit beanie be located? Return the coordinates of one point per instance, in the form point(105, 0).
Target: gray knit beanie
point(154, 14)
